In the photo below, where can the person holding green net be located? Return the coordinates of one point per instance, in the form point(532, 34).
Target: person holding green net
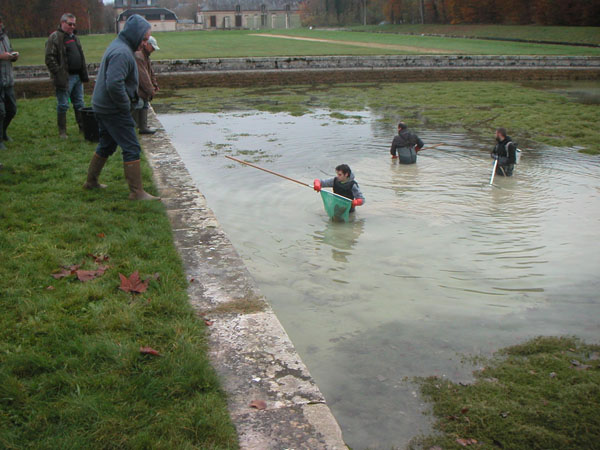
point(343, 184)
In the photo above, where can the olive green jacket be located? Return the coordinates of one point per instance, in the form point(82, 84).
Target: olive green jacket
point(56, 60)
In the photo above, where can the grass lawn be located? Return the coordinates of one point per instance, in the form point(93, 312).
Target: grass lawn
point(543, 394)
point(584, 35)
point(223, 44)
point(71, 371)
point(532, 116)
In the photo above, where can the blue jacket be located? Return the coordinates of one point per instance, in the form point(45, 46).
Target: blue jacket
point(117, 79)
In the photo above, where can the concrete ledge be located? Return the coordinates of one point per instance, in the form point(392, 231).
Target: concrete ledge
point(249, 348)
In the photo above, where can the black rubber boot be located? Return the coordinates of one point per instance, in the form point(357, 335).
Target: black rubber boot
point(79, 119)
point(61, 121)
point(143, 124)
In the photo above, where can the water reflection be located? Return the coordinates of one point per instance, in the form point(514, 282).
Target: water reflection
point(342, 237)
point(436, 264)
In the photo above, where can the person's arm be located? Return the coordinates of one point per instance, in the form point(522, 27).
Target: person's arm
point(512, 153)
point(393, 148)
point(83, 74)
point(145, 88)
point(51, 57)
point(358, 195)
point(116, 73)
point(420, 144)
point(328, 182)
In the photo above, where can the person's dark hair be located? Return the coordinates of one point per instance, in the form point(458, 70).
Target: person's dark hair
point(502, 131)
point(344, 168)
point(402, 125)
point(66, 16)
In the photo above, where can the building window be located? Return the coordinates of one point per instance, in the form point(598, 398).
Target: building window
point(238, 8)
point(213, 21)
point(263, 8)
point(287, 8)
point(162, 17)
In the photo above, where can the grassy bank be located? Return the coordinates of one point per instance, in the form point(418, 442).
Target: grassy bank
point(531, 115)
point(223, 44)
point(542, 394)
point(584, 35)
point(71, 371)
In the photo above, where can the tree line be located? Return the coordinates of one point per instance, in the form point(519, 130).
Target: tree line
point(34, 18)
point(507, 12)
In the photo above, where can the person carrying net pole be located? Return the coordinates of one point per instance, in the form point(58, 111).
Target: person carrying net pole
point(406, 145)
point(343, 184)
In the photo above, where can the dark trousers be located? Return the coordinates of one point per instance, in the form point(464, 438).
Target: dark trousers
point(505, 171)
point(8, 109)
point(118, 129)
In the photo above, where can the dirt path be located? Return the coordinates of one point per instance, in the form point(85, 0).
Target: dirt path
point(406, 48)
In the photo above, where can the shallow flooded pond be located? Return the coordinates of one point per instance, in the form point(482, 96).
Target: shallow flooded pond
point(436, 265)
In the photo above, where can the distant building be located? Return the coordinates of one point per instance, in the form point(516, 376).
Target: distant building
point(122, 5)
point(161, 19)
point(248, 14)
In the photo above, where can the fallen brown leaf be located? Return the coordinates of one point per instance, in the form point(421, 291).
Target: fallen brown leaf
point(258, 404)
point(192, 280)
point(66, 271)
point(133, 284)
point(208, 322)
point(101, 235)
point(464, 410)
point(50, 288)
point(149, 351)
point(466, 442)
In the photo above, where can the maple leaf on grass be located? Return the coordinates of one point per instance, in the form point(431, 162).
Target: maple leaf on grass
point(133, 284)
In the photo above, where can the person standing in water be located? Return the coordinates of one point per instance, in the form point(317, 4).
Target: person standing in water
point(505, 151)
point(406, 145)
point(343, 184)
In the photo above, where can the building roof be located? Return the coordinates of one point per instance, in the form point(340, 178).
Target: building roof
point(148, 13)
point(248, 5)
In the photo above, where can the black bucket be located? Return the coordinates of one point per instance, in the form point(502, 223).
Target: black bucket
point(90, 125)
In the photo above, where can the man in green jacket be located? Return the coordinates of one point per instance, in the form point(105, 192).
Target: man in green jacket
point(8, 102)
point(66, 63)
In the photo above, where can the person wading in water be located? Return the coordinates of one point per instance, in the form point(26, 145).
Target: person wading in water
point(505, 151)
point(406, 145)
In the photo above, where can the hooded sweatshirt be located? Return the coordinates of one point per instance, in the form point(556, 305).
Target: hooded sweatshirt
point(117, 79)
point(356, 193)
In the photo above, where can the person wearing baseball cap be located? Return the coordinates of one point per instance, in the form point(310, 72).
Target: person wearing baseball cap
point(148, 86)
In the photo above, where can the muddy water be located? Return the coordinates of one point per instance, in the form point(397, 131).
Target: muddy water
point(435, 266)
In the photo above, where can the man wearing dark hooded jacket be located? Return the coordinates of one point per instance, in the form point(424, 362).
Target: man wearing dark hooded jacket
point(505, 151)
point(115, 91)
point(406, 144)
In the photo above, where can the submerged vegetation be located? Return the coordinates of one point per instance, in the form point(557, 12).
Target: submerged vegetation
point(542, 394)
point(532, 115)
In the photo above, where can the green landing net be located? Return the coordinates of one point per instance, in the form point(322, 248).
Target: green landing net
point(337, 208)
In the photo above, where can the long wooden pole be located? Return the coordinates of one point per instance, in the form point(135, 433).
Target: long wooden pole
point(268, 171)
point(493, 172)
point(279, 175)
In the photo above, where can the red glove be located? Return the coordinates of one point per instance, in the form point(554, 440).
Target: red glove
point(418, 149)
point(317, 185)
point(394, 157)
point(357, 202)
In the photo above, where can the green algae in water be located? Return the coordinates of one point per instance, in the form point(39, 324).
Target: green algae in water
point(533, 116)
